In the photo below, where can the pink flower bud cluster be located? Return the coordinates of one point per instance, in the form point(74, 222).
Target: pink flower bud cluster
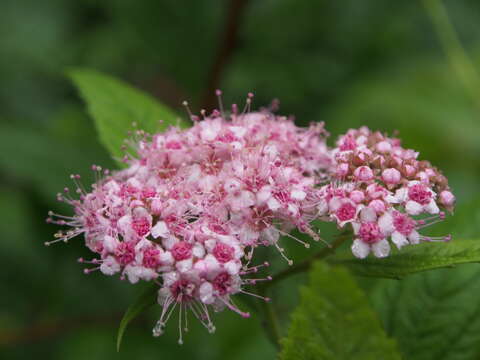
point(384, 192)
point(192, 205)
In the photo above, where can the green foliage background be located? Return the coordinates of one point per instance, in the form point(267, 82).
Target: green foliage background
point(348, 62)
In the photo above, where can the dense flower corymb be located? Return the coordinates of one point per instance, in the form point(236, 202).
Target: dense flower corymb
point(384, 192)
point(192, 206)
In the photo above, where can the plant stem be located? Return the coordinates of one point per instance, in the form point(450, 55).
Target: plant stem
point(458, 57)
point(270, 321)
point(305, 265)
point(227, 45)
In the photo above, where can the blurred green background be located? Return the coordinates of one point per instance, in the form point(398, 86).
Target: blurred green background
point(348, 63)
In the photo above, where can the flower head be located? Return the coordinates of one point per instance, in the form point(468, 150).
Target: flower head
point(384, 192)
point(192, 205)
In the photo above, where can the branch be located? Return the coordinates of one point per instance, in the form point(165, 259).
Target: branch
point(305, 265)
point(270, 321)
point(228, 43)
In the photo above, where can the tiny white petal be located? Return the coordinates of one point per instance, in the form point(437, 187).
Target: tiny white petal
point(273, 204)
point(109, 266)
point(414, 237)
point(293, 209)
point(148, 274)
point(242, 200)
point(432, 207)
point(322, 207)
point(238, 131)
point(270, 235)
point(184, 265)
point(206, 293)
point(210, 244)
point(413, 207)
point(399, 239)
point(360, 249)
point(170, 277)
point(198, 251)
point(385, 222)
point(166, 258)
point(232, 267)
point(298, 194)
point(368, 214)
point(212, 262)
point(132, 273)
point(160, 229)
point(381, 249)
point(232, 185)
point(334, 204)
point(110, 243)
point(125, 223)
point(264, 193)
point(399, 197)
point(169, 241)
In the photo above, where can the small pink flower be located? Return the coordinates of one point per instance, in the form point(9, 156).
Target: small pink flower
point(151, 258)
point(420, 194)
point(363, 173)
point(370, 233)
point(391, 176)
point(181, 251)
point(357, 196)
point(384, 147)
point(125, 253)
point(223, 252)
point(222, 283)
point(377, 205)
point(402, 223)
point(348, 143)
point(173, 145)
point(346, 212)
point(447, 198)
point(141, 226)
point(342, 170)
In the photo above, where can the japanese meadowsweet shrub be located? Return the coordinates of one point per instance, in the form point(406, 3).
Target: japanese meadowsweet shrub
point(191, 207)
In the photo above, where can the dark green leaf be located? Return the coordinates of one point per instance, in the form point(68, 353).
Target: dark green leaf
point(143, 302)
point(433, 315)
point(334, 321)
point(115, 106)
point(413, 259)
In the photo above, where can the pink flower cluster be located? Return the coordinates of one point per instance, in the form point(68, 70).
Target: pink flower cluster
point(192, 205)
point(384, 192)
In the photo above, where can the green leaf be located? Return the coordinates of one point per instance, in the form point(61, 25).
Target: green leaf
point(115, 106)
point(413, 259)
point(433, 315)
point(334, 321)
point(143, 302)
